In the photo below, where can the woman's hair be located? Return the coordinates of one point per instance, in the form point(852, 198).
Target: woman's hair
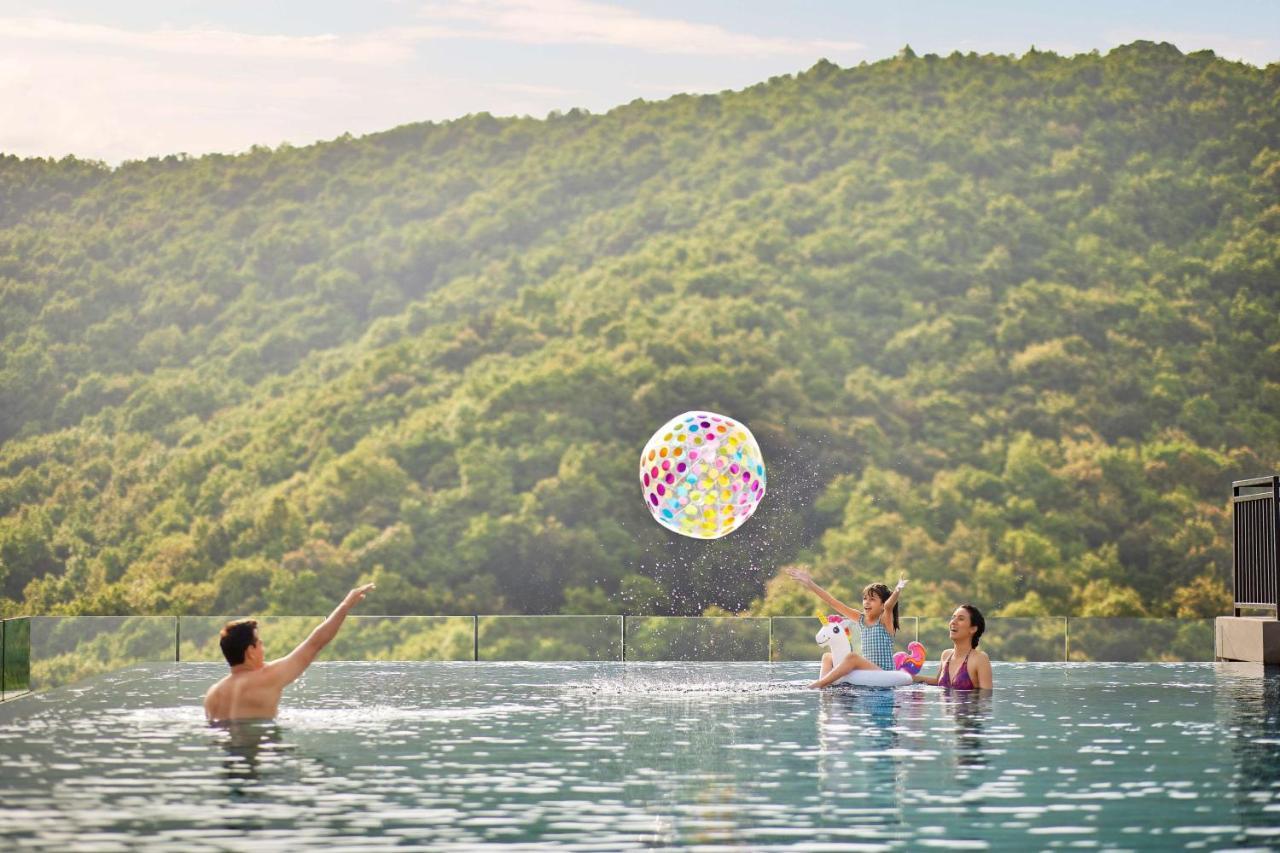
point(882, 592)
point(976, 620)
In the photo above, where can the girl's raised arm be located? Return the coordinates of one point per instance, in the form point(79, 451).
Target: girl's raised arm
point(807, 580)
point(886, 615)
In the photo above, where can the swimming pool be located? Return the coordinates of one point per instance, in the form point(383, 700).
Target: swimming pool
point(607, 756)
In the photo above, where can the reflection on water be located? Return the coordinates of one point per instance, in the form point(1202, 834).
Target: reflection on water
point(1247, 699)
point(244, 743)
point(609, 756)
point(970, 709)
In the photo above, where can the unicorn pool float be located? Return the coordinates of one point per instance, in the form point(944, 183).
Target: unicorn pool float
point(836, 634)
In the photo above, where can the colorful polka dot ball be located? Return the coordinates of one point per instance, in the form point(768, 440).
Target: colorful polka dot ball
point(702, 475)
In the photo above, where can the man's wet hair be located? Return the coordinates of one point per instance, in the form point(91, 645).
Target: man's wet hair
point(236, 638)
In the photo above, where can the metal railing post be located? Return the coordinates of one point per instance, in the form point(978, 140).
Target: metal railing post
point(1255, 544)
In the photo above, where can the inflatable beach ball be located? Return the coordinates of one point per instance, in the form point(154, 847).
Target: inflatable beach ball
point(702, 475)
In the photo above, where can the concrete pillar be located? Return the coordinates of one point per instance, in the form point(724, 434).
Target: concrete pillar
point(1247, 638)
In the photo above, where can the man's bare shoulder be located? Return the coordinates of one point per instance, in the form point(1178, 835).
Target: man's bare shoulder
point(243, 695)
point(216, 688)
point(213, 697)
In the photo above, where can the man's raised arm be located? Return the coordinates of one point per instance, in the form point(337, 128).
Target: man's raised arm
point(288, 668)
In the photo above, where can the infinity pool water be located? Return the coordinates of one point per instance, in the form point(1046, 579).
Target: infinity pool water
point(624, 756)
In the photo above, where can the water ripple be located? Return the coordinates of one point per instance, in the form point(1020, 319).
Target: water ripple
point(607, 756)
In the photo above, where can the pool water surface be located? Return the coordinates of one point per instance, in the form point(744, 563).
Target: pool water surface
point(615, 756)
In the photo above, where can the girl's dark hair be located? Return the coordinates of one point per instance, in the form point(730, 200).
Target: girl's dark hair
point(976, 620)
point(882, 592)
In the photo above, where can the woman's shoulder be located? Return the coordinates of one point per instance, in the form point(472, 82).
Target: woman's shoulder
point(979, 656)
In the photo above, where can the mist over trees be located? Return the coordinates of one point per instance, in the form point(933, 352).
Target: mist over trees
point(1007, 325)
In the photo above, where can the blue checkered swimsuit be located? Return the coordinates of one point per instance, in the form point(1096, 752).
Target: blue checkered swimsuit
point(877, 645)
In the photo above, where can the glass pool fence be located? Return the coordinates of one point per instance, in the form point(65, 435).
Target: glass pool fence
point(41, 652)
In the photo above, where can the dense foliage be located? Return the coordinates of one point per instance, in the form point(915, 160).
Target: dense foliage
point(1008, 325)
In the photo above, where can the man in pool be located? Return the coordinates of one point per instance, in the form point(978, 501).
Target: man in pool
point(252, 690)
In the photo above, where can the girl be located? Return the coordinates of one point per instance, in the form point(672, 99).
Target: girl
point(878, 620)
point(963, 667)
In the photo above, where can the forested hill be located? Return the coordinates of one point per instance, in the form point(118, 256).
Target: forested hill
point(1009, 325)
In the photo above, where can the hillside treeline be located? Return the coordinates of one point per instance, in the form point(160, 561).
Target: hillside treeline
point(1009, 325)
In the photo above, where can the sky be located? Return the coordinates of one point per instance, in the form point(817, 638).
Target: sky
point(140, 78)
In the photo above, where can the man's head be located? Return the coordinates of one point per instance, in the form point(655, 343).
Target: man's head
point(239, 641)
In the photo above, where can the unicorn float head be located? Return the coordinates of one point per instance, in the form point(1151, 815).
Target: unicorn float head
point(837, 636)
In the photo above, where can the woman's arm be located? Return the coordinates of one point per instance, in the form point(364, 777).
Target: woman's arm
point(933, 679)
point(980, 672)
point(807, 580)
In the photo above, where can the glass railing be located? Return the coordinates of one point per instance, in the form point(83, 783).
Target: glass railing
point(792, 638)
point(64, 649)
point(548, 638)
point(1139, 639)
point(43, 652)
point(15, 657)
point(696, 638)
point(414, 638)
point(1005, 638)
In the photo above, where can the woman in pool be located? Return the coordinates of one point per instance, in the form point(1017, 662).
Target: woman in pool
point(878, 620)
point(963, 667)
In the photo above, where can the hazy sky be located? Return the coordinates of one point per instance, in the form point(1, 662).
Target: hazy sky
point(135, 78)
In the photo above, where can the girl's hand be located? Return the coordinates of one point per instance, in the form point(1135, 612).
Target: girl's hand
point(799, 575)
point(902, 582)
